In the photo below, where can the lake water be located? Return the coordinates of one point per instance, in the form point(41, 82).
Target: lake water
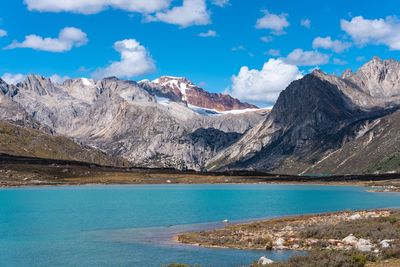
point(132, 225)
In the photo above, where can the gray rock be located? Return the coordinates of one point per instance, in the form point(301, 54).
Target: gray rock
point(123, 119)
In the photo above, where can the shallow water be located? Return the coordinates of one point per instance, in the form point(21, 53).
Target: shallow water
point(132, 225)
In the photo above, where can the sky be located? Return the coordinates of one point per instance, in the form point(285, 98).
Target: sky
point(251, 49)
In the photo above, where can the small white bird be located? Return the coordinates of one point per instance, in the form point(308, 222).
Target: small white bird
point(225, 221)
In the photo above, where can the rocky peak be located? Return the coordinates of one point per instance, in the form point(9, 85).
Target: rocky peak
point(347, 74)
point(378, 78)
point(179, 82)
point(312, 100)
point(81, 82)
point(38, 84)
point(184, 90)
point(3, 87)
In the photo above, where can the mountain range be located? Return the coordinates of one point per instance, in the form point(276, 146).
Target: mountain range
point(320, 124)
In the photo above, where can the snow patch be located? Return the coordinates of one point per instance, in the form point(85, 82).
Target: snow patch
point(213, 112)
point(87, 82)
point(163, 101)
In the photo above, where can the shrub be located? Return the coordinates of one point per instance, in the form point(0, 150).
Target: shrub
point(359, 260)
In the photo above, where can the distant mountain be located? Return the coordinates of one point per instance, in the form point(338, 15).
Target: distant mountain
point(123, 119)
point(181, 89)
point(320, 124)
point(323, 124)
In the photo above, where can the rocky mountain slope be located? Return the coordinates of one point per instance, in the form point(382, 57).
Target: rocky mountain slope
point(123, 119)
point(320, 124)
point(324, 124)
point(181, 89)
point(29, 142)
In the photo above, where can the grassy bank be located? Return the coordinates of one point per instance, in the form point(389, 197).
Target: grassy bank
point(362, 238)
point(24, 171)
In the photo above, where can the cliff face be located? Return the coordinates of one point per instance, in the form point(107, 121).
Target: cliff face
point(318, 122)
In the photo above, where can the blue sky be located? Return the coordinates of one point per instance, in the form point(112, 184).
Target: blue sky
point(169, 44)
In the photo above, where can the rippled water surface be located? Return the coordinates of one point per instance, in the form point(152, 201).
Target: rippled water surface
point(133, 225)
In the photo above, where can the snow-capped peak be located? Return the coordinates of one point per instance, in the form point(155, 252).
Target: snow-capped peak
point(180, 83)
point(87, 82)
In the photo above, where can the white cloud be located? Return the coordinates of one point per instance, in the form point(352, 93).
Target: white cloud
point(273, 52)
point(360, 58)
point(274, 22)
point(3, 33)
point(263, 86)
point(377, 31)
point(55, 78)
point(192, 12)
point(306, 23)
point(209, 33)
point(300, 57)
point(135, 60)
point(220, 3)
point(339, 61)
point(239, 48)
point(13, 78)
point(68, 38)
point(267, 39)
point(95, 6)
point(327, 43)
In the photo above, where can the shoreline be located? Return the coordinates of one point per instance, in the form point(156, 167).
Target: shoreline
point(370, 186)
point(21, 172)
point(343, 235)
point(302, 218)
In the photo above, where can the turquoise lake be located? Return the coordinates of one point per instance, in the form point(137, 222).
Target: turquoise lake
point(133, 225)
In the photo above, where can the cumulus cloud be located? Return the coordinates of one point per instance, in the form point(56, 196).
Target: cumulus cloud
point(306, 23)
point(263, 86)
point(95, 6)
point(274, 22)
point(192, 12)
point(220, 3)
point(13, 78)
point(3, 33)
point(300, 57)
point(209, 33)
point(135, 60)
point(376, 31)
point(327, 43)
point(67, 39)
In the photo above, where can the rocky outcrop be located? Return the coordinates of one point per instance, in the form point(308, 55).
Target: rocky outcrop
point(181, 89)
point(378, 78)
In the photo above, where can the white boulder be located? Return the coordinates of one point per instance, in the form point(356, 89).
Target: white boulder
point(386, 243)
point(265, 261)
point(350, 240)
point(356, 216)
point(279, 243)
point(364, 245)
